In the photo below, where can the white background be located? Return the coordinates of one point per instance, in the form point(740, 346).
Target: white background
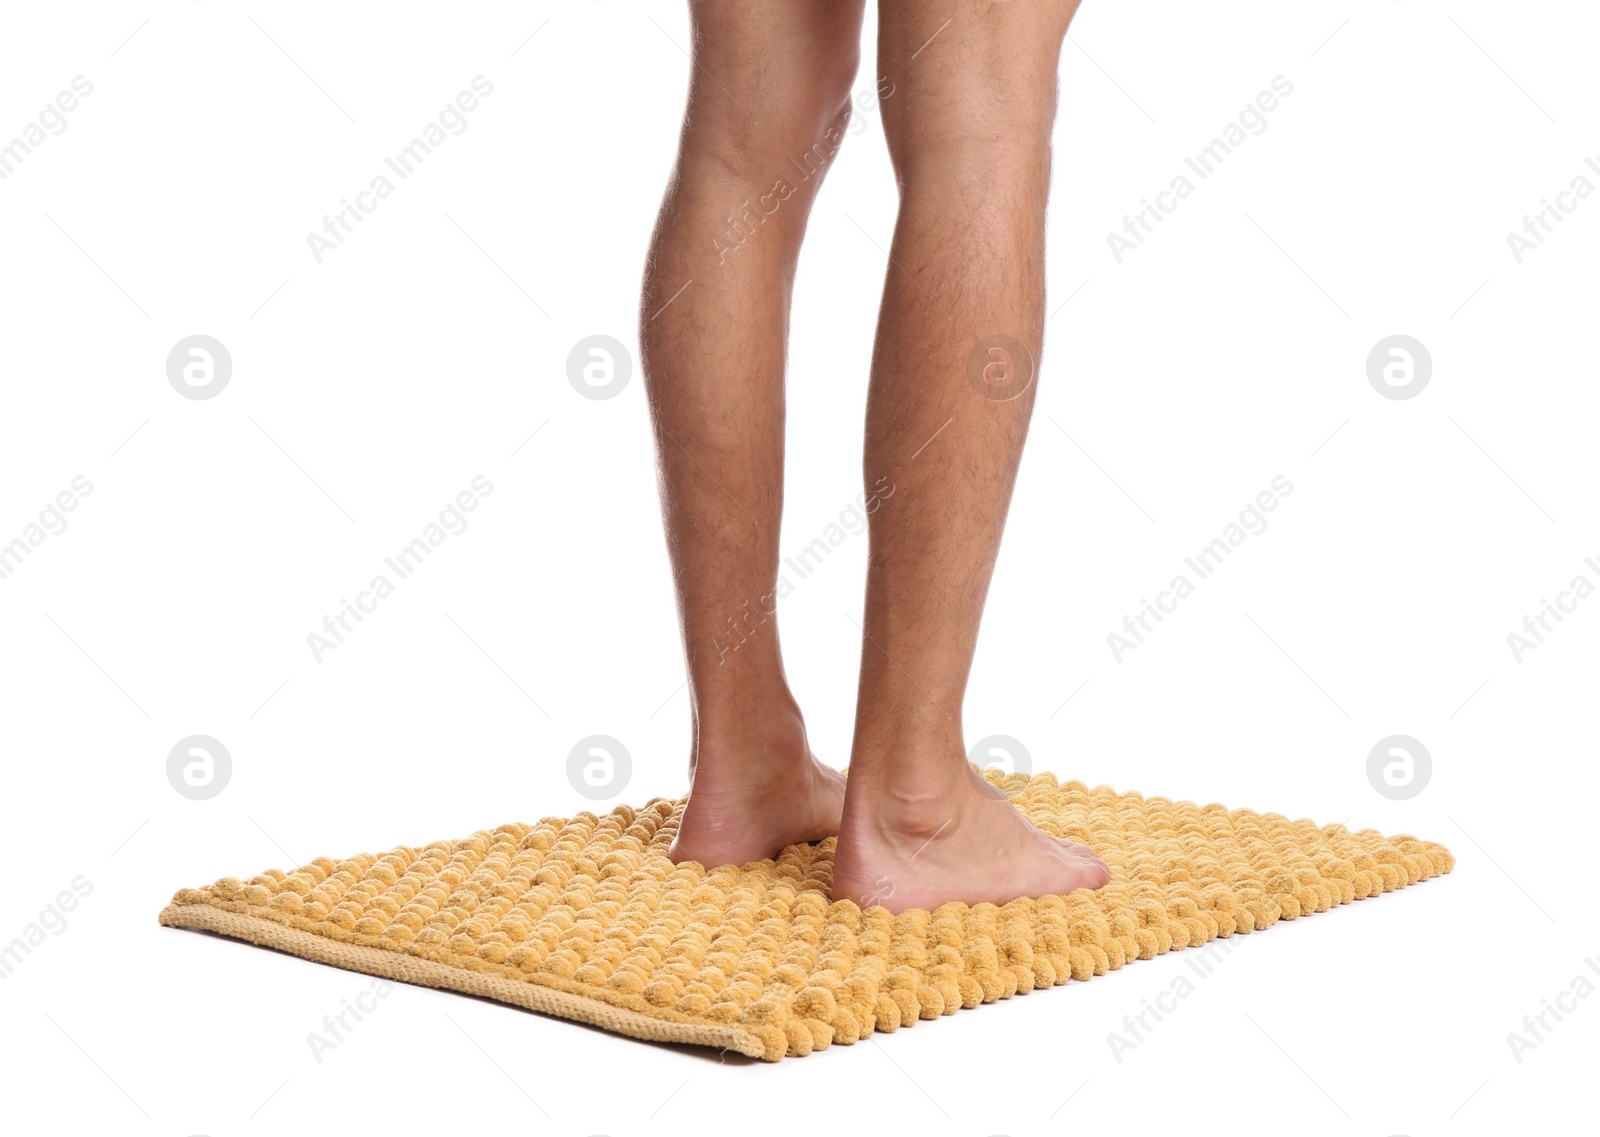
point(369, 389)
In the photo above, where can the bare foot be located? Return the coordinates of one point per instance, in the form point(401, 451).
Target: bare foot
point(989, 789)
point(756, 810)
point(973, 846)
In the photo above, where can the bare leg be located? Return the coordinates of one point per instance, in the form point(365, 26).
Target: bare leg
point(768, 103)
point(953, 383)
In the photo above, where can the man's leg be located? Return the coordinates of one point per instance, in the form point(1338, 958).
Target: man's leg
point(953, 381)
point(768, 104)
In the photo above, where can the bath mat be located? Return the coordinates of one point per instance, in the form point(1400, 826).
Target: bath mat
point(586, 918)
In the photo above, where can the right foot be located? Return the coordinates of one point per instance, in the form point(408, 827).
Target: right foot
point(976, 846)
point(755, 810)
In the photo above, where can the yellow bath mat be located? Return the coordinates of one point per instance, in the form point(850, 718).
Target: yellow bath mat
point(586, 918)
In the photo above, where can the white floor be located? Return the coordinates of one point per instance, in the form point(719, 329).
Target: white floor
point(425, 357)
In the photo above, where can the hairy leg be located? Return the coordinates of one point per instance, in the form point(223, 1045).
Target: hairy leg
point(768, 104)
point(953, 382)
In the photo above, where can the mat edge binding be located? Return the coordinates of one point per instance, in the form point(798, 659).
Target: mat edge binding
point(426, 973)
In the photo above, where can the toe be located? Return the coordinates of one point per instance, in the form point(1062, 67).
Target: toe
point(1099, 872)
point(1090, 861)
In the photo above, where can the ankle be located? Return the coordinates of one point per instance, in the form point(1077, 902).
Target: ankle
point(889, 807)
point(758, 742)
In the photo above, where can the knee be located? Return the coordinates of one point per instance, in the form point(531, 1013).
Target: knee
point(971, 163)
point(816, 120)
point(758, 95)
point(836, 78)
point(813, 72)
point(976, 94)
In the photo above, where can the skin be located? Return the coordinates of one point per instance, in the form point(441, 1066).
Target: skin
point(954, 374)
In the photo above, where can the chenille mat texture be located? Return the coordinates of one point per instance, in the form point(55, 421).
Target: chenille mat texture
point(587, 918)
